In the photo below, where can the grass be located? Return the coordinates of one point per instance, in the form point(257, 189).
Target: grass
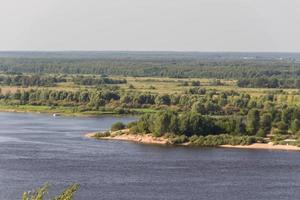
point(144, 110)
point(67, 111)
point(163, 85)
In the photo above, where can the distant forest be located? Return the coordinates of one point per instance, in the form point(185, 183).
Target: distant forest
point(160, 64)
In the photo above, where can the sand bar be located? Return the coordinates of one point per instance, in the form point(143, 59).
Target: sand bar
point(149, 139)
point(145, 139)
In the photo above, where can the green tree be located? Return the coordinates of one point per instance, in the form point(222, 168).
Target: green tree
point(253, 121)
point(163, 100)
point(286, 115)
point(295, 126)
point(165, 122)
point(266, 123)
point(42, 192)
point(282, 127)
point(144, 124)
point(261, 133)
point(240, 127)
point(196, 83)
point(198, 107)
point(118, 126)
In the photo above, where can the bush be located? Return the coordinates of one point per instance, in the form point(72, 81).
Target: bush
point(179, 139)
point(157, 134)
point(282, 127)
point(42, 193)
point(261, 133)
point(131, 124)
point(131, 86)
point(133, 130)
point(196, 83)
point(104, 134)
point(122, 111)
point(118, 126)
point(217, 140)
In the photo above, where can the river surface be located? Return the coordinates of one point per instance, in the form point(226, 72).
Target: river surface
point(35, 149)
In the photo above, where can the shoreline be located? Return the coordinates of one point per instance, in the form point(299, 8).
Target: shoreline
point(44, 112)
point(78, 114)
point(142, 139)
point(149, 139)
point(263, 146)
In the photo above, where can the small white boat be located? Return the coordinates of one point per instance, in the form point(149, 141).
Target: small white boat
point(55, 115)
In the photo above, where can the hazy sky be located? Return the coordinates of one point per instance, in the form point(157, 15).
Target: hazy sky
point(177, 25)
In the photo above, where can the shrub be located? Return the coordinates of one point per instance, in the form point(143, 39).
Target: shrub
point(178, 139)
point(295, 126)
point(118, 126)
point(133, 130)
point(131, 124)
point(122, 111)
point(217, 140)
point(261, 133)
point(131, 86)
point(196, 83)
point(42, 193)
point(282, 127)
point(104, 134)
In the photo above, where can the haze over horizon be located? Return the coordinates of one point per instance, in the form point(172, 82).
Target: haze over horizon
point(140, 25)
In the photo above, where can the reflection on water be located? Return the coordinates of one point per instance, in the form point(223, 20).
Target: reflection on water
point(8, 139)
point(35, 149)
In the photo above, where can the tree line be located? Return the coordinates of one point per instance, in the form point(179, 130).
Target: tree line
point(51, 81)
point(32, 80)
point(90, 81)
point(205, 102)
point(264, 82)
point(254, 123)
point(160, 66)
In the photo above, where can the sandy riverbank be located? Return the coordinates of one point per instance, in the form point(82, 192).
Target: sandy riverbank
point(149, 139)
point(124, 136)
point(264, 146)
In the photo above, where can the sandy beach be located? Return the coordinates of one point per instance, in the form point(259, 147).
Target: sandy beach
point(149, 139)
point(124, 136)
point(264, 146)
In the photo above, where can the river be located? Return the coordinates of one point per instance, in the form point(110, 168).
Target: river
point(35, 149)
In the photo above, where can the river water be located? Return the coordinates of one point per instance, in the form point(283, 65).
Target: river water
point(35, 149)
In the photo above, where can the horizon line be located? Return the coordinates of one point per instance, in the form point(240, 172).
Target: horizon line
point(140, 51)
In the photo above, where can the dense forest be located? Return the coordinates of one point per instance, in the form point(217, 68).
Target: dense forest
point(164, 64)
point(86, 80)
point(263, 82)
point(236, 129)
point(34, 80)
point(206, 102)
point(52, 80)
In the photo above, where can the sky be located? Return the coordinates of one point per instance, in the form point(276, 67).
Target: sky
point(150, 25)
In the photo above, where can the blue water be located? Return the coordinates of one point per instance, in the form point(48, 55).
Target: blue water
point(35, 149)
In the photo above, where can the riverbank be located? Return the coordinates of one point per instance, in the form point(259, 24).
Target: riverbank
point(69, 111)
point(63, 111)
point(264, 146)
point(124, 135)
